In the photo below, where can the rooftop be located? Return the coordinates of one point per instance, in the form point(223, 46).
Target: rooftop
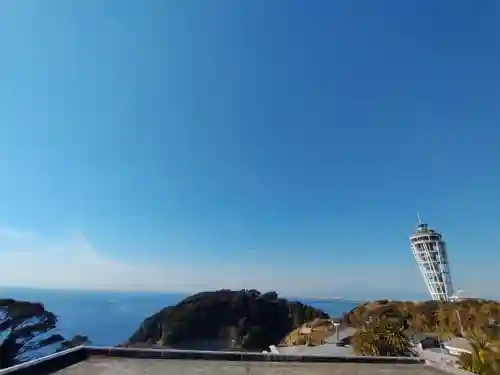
point(126, 361)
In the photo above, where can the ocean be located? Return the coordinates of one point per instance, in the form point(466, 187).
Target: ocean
point(110, 318)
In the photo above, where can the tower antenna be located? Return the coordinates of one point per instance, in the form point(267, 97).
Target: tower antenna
point(418, 217)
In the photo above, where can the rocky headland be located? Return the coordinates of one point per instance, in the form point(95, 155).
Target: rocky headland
point(28, 330)
point(224, 319)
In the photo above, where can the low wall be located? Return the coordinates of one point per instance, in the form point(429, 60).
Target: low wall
point(58, 361)
point(274, 349)
point(48, 364)
point(240, 356)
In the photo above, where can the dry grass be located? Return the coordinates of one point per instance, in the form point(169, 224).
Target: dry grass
point(320, 329)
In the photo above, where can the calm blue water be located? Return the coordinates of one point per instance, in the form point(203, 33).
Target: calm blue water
point(109, 318)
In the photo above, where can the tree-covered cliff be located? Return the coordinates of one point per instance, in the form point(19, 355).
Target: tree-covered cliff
point(235, 319)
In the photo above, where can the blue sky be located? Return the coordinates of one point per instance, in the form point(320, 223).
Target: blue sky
point(186, 145)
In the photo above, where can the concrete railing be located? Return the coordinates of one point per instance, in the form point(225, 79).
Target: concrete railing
point(274, 349)
point(240, 356)
point(58, 361)
point(48, 364)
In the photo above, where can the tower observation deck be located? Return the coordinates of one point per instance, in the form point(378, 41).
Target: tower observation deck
point(429, 250)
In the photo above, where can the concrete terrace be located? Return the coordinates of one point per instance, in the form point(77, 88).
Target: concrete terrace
point(126, 361)
point(106, 366)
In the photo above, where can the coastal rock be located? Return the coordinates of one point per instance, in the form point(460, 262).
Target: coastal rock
point(27, 331)
point(224, 319)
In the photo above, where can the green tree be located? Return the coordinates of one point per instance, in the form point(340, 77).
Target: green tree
point(247, 318)
point(483, 359)
point(365, 341)
point(383, 339)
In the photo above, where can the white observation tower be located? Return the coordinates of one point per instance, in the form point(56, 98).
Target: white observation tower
point(430, 253)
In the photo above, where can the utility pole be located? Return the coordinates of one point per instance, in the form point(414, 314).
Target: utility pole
point(460, 322)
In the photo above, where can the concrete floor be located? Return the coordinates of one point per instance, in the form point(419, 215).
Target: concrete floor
point(132, 366)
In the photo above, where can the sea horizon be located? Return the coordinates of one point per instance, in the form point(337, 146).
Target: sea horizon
point(313, 296)
point(110, 317)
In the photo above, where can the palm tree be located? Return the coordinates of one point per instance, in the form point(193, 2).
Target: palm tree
point(383, 339)
point(364, 341)
point(484, 358)
point(394, 342)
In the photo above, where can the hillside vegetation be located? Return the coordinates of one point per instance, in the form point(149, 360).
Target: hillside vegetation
point(225, 319)
point(446, 319)
point(383, 326)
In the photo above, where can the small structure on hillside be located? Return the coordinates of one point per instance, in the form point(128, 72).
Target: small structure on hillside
point(457, 346)
point(337, 329)
point(425, 341)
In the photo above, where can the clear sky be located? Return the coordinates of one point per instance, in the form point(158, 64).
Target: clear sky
point(286, 144)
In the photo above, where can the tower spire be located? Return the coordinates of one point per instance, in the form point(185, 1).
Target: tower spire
point(419, 220)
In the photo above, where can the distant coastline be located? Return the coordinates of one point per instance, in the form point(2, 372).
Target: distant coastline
point(90, 313)
point(170, 293)
point(328, 299)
